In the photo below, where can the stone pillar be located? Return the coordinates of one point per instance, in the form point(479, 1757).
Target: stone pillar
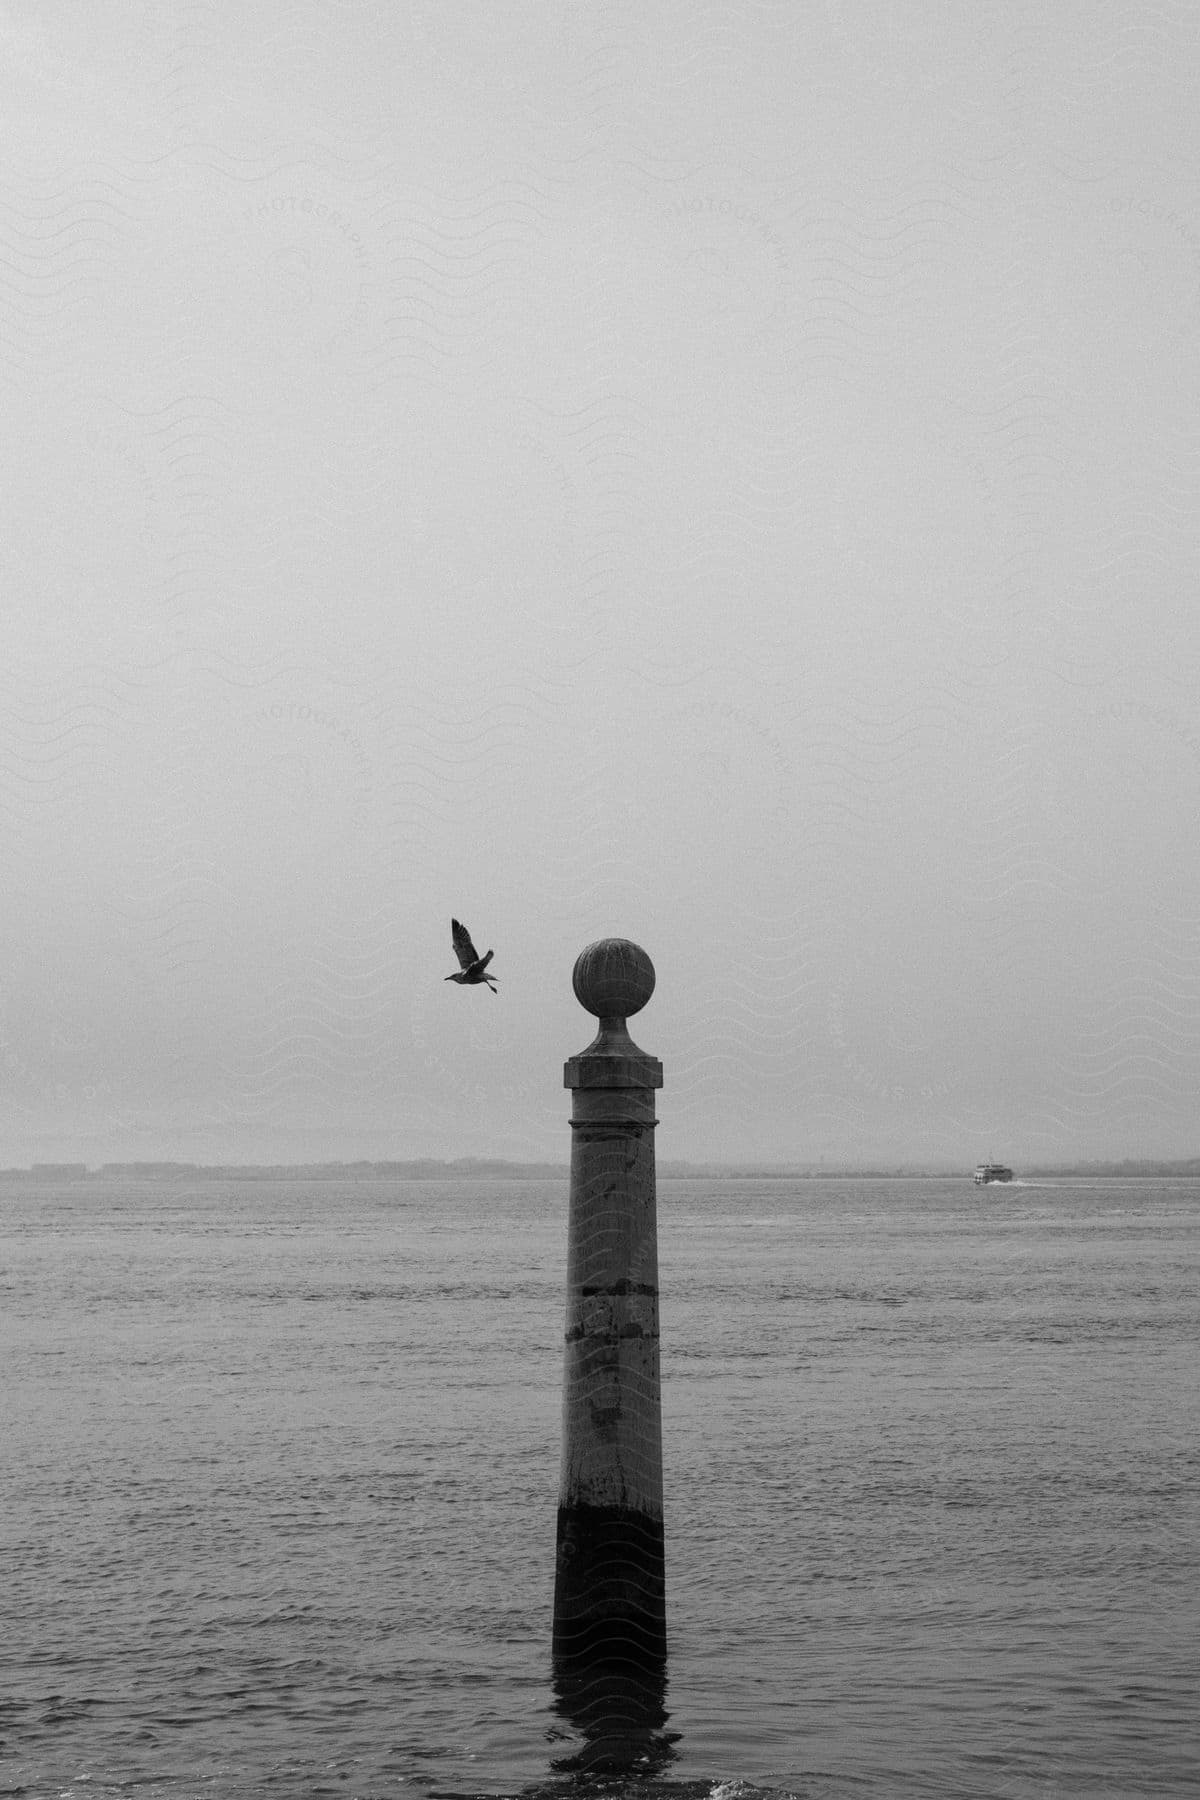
point(609, 1595)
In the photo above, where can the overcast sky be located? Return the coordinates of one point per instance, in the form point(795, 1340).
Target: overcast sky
point(724, 476)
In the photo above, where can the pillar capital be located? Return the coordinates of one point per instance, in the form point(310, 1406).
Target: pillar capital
point(613, 978)
point(592, 1070)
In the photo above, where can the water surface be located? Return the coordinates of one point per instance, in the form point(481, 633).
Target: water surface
point(280, 1476)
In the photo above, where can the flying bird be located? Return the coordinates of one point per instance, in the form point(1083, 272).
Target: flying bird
point(473, 967)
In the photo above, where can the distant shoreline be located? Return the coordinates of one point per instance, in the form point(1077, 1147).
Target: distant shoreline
point(470, 1168)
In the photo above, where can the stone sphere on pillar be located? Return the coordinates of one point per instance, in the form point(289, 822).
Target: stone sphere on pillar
point(613, 978)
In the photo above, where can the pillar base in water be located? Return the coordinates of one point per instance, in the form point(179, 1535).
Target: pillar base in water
point(609, 1588)
point(610, 1640)
point(621, 1723)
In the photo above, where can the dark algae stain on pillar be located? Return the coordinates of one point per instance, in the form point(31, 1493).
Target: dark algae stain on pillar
point(610, 1641)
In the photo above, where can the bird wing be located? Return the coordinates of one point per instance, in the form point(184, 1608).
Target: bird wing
point(464, 949)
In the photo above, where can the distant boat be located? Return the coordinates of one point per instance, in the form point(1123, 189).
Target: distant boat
point(989, 1172)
